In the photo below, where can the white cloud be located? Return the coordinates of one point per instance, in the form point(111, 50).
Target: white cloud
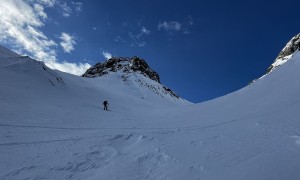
point(72, 68)
point(107, 55)
point(191, 20)
point(174, 26)
point(67, 42)
point(65, 10)
point(137, 39)
point(134, 39)
point(20, 27)
point(48, 3)
point(78, 6)
point(40, 10)
point(170, 26)
point(145, 30)
point(120, 39)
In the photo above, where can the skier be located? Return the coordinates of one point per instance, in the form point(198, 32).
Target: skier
point(105, 103)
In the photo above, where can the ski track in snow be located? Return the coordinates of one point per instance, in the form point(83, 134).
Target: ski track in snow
point(129, 128)
point(37, 142)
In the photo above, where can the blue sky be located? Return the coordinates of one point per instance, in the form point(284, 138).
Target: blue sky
point(201, 49)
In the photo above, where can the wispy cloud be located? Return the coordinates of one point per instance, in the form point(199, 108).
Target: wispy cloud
point(63, 7)
point(40, 11)
point(137, 39)
point(134, 38)
point(144, 30)
point(21, 22)
point(169, 26)
point(191, 20)
point(120, 39)
point(172, 27)
point(77, 6)
point(48, 3)
point(65, 10)
point(106, 54)
point(67, 42)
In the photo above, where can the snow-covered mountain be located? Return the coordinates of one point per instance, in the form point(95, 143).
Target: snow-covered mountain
point(136, 73)
point(59, 130)
point(286, 53)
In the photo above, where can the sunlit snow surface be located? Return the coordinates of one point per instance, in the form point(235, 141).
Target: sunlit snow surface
point(58, 130)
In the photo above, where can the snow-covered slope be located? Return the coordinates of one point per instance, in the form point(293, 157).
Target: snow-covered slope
point(61, 131)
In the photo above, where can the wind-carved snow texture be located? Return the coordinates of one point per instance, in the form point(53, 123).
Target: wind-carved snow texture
point(62, 132)
point(112, 152)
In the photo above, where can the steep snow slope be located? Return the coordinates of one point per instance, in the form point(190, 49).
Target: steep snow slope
point(59, 131)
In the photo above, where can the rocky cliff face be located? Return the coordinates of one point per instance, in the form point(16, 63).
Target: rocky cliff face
point(125, 65)
point(128, 66)
point(286, 53)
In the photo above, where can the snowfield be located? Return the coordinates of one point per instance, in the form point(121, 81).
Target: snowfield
point(53, 126)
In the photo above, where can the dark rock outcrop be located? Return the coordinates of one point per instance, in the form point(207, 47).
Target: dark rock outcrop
point(114, 64)
point(292, 46)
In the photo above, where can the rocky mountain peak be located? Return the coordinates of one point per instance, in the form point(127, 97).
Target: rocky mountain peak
point(286, 53)
point(128, 66)
point(122, 64)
